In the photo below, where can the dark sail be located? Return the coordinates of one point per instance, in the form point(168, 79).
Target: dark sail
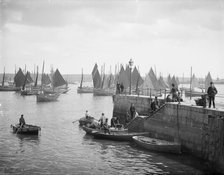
point(19, 78)
point(96, 77)
point(57, 79)
point(29, 79)
point(45, 80)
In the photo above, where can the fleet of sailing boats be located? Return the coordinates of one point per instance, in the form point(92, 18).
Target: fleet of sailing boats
point(103, 84)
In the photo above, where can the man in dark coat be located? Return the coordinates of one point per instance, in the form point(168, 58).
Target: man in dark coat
point(22, 121)
point(212, 91)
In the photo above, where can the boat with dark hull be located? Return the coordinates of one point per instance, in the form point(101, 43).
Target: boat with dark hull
point(157, 145)
point(26, 129)
point(90, 130)
point(124, 136)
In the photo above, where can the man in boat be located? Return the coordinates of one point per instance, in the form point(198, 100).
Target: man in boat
point(115, 122)
point(132, 110)
point(212, 91)
point(155, 104)
point(87, 114)
point(22, 121)
point(106, 127)
point(102, 120)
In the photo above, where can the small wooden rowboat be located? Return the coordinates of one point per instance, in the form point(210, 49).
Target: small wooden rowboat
point(120, 136)
point(157, 145)
point(89, 130)
point(26, 129)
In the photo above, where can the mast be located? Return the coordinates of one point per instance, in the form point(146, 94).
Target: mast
point(42, 76)
point(81, 79)
point(36, 78)
point(3, 79)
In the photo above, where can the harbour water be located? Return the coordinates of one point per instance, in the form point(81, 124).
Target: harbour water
point(63, 148)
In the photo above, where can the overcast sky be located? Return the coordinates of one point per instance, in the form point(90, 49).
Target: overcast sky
point(170, 35)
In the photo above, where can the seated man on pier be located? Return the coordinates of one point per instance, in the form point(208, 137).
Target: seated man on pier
point(201, 101)
point(155, 104)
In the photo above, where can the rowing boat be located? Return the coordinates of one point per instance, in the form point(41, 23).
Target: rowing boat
point(120, 136)
point(157, 145)
point(26, 129)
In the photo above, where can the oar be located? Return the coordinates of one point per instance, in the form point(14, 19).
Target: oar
point(75, 121)
point(19, 128)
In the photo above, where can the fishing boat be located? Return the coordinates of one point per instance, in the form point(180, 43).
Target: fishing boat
point(43, 96)
point(51, 95)
point(157, 145)
point(26, 129)
point(90, 130)
point(120, 136)
point(84, 89)
point(16, 86)
point(102, 84)
point(27, 87)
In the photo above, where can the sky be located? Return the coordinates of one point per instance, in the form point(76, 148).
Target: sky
point(170, 36)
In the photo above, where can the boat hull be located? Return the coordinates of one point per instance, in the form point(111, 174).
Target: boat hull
point(44, 97)
point(125, 136)
point(84, 90)
point(26, 129)
point(157, 145)
point(89, 130)
point(103, 92)
point(8, 88)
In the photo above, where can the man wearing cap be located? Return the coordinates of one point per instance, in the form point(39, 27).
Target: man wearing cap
point(102, 120)
point(212, 91)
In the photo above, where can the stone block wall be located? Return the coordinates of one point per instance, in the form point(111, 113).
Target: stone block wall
point(199, 130)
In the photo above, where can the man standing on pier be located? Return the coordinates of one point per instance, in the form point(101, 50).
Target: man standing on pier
point(212, 91)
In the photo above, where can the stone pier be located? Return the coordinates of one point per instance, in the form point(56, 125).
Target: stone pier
point(199, 130)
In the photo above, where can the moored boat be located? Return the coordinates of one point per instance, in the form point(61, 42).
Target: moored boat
point(47, 97)
point(26, 129)
point(157, 145)
point(90, 130)
point(124, 136)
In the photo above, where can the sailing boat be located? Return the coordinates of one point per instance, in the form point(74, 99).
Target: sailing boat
point(84, 89)
point(15, 86)
point(47, 96)
point(27, 90)
point(194, 91)
point(101, 84)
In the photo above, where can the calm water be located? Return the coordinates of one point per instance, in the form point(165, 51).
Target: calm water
point(63, 147)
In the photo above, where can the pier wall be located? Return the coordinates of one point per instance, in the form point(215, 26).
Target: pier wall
point(199, 130)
